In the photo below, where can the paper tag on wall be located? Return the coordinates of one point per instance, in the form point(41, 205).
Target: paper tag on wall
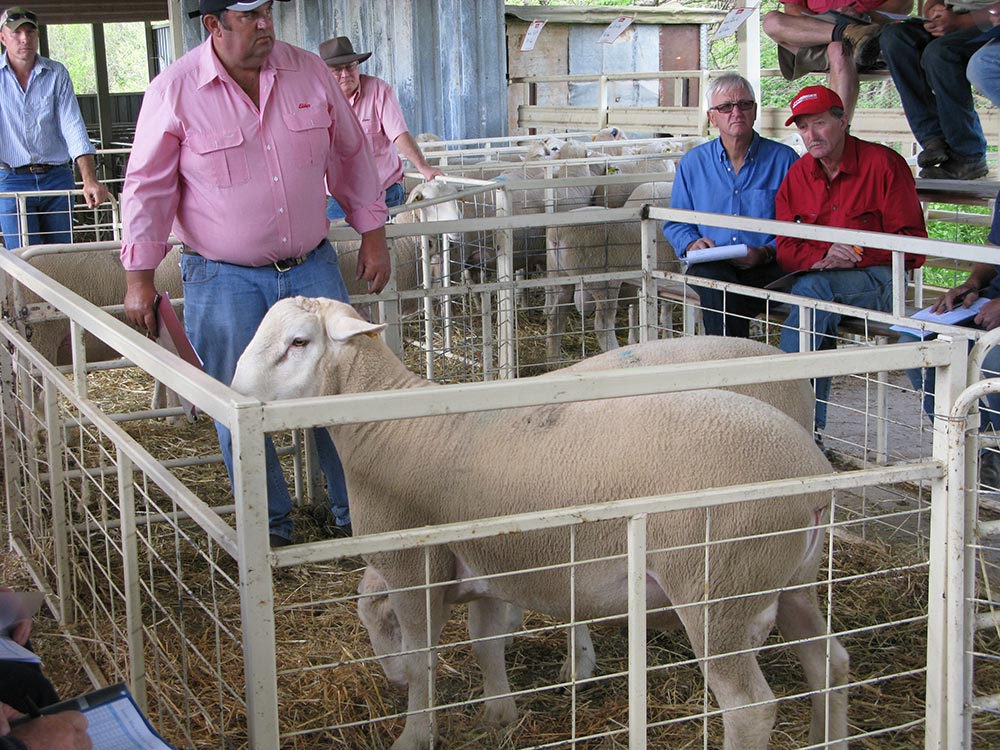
point(733, 20)
point(615, 29)
point(532, 35)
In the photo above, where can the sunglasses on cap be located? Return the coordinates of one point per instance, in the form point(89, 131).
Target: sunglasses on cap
point(21, 15)
point(742, 105)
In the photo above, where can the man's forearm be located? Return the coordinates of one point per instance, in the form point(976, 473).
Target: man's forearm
point(88, 167)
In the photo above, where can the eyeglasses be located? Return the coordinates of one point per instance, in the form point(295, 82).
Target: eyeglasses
point(726, 107)
point(341, 69)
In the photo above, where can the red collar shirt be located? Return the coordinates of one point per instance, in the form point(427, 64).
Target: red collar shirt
point(873, 191)
point(240, 184)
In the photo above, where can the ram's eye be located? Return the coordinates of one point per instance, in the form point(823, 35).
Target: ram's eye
point(299, 342)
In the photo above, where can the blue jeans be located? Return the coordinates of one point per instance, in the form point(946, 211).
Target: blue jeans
point(48, 217)
point(223, 305)
point(394, 196)
point(989, 418)
point(983, 71)
point(929, 73)
point(726, 313)
point(869, 287)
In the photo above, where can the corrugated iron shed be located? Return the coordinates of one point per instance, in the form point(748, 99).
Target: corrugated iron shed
point(446, 59)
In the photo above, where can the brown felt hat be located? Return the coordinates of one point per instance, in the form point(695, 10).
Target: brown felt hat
point(340, 51)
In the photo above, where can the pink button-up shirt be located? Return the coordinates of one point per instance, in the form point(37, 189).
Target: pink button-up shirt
point(381, 118)
point(238, 184)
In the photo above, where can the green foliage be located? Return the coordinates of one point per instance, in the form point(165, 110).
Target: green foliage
point(73, 46)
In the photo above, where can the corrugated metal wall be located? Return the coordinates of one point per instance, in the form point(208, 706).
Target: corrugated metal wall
point(446, 59)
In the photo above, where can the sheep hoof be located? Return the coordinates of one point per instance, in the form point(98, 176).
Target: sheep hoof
point(501, 712)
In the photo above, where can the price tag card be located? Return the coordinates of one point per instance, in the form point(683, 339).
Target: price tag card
point(733, 20)
point(532, 36)
point(615, 29)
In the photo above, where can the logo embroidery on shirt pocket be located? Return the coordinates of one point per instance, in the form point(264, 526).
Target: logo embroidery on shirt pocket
point(304, 105)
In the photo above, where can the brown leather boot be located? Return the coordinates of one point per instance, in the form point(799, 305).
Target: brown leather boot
point(863, 42)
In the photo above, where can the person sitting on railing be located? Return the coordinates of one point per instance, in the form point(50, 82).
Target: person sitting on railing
point(928, 63)
point(43, 132)
point(842, 181)
point(820, 35)
point(737, 174)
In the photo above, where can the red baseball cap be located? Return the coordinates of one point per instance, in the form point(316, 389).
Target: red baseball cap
point(812, 100)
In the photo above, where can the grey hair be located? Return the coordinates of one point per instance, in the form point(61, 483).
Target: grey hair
point(727, 82)
point(837, 112)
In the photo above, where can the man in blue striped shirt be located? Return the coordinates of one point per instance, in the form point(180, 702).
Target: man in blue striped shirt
point(737, 174)
point(43, 133)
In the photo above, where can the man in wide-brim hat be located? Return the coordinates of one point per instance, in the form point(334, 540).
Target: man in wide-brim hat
point(377, 108)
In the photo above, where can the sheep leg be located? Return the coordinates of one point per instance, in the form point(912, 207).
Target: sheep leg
point(605, 311)
point(420, 635)
point(799, 619)
point(581, 656)
point(558, 299)
point(735, 678)
point(489, 625)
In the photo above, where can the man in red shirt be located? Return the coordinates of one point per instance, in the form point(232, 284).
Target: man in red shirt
point(820, 35)
point(842, 181)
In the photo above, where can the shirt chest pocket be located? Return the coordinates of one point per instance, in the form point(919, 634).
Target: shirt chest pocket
point(309, 136)
point(219, 157)
point(869, 221)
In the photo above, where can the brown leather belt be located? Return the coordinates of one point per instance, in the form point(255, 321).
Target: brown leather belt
point(32, 168)
point(280, 266)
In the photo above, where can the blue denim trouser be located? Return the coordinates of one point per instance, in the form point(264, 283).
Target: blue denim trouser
point(223, 305)
point(869, 287)
point(989, 418)
point(48, 217)
point(930, 75)
point(984, 71)
point(394, 196)
point(726, 313)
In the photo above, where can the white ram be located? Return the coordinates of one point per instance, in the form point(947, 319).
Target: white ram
point(795, 398)
point(663, 444)
point(593, 248)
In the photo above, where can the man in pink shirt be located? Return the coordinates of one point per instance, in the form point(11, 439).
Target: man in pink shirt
point(233, 148)
point(377, 108)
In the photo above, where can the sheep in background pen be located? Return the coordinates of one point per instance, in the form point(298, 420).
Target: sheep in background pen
point(592, 248)
point(406, 251)
point(794, 398)
point(763, 560)
point(97, 276)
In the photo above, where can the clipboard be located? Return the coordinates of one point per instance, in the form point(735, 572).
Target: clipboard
point(114, 720)
point(170, 332)
point(170, 335)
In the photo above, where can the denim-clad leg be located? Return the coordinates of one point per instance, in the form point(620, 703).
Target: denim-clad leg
point(863, 287)
point(983, 71)
point(394, 196)
point(739, 309)
point(48, 217)
point(223, 305)
point(923, 380)
point(930, 75)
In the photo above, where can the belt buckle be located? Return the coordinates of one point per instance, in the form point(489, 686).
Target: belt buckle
point(38, 168)
point(281, 266)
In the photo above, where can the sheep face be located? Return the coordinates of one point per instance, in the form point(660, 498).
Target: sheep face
point(288, 356)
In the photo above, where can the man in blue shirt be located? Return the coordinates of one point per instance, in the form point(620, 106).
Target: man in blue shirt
point(43, 133)
point(737, 174)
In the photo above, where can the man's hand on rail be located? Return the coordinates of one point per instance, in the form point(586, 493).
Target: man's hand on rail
point(989, 316)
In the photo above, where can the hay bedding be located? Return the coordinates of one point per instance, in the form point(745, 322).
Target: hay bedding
point(310, 634)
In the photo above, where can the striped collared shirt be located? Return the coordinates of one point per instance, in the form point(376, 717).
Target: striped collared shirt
point(42, 125)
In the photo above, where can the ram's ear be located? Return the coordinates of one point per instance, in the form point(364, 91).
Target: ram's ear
point(342, 327)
